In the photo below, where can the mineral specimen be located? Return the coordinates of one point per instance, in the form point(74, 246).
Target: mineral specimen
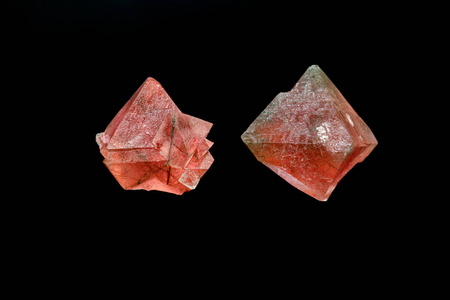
point(150, 144)
point(310, 136)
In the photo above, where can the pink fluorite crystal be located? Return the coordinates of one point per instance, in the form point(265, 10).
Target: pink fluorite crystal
point(150, 144)
point(310, 136)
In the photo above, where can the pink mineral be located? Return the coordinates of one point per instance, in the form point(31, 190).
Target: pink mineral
point(310, 136)
point(150, 144)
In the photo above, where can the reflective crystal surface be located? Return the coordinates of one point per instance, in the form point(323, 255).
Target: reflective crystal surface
point(310, 136)
point(150, 144)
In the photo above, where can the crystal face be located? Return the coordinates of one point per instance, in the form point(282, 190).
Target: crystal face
point(150, 144)
point(310, 136)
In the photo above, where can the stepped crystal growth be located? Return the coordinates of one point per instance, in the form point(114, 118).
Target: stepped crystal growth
point(150, 144)
point(310, 136)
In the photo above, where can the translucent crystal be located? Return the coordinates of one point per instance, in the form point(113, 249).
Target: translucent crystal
point(150, 144)
point(310, 136)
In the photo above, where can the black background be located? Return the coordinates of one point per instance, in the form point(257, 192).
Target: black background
point(221, 61)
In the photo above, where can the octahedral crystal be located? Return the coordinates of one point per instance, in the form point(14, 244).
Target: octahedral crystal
point(150, 144)
point(310, 136)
